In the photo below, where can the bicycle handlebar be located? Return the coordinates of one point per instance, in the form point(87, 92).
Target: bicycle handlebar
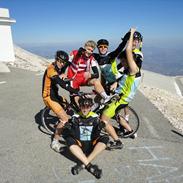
point(67, 79)
point(83, 94)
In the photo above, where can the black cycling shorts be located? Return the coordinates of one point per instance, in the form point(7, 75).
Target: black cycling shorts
point(86, 146)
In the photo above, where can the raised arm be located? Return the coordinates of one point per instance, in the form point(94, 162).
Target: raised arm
point(133, 68)
point(112, 55)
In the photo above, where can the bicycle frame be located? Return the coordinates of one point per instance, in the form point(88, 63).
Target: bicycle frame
point(72, 108)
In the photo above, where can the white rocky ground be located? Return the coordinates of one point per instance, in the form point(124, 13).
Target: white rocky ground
point(169, 104)
point(29, 61)
point(161, 96)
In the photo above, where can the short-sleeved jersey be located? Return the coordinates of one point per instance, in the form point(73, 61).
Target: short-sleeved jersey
point(81, 63)
point(85, 128)
point(127, 86)
point(109, 71)
point(108, 64)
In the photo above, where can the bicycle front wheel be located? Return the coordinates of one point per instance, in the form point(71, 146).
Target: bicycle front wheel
point(49, 120)
point(133, 121)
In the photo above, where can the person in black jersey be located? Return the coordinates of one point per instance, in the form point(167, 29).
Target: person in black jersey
point(83, 138)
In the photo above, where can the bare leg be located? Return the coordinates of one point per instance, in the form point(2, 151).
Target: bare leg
point(63, 119)
point(127, 113)
point(123, 122)
point(77, 151)
point(109, 128)
point(97, 85)
point(99, 147)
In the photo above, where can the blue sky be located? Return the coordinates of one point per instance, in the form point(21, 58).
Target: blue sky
point(69, 21)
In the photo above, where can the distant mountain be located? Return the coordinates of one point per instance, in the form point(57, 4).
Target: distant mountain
point(27, 60)
point(167, 61)
point(48, 51)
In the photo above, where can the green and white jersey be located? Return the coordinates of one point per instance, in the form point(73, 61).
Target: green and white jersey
point(110, 71)
point(128, 85)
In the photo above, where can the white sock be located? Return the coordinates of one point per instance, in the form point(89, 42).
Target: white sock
point(104, 95)
point(127, 117)
point(55, 139)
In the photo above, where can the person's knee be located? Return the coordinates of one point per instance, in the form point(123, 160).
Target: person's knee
point(108, 127)
point(73, 146)
point(96, 82)
point(105, 119)
point(63, 117)
point(104, 124)
point(101, 125)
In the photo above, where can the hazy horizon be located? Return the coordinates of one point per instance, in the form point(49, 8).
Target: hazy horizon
point(164, 60)
point(46, 26)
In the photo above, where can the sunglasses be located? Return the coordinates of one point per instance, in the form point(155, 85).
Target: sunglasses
point(103, 46)
point(61, 61)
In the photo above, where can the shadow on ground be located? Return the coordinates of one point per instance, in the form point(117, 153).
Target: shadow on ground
point(38, 121)
point(51, 120)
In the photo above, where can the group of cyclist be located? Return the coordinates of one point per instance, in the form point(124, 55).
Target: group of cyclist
point(122, 79)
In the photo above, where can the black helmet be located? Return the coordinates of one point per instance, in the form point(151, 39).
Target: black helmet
point(85, 101)
point(102, 42)
point(62, 55)
point(137, 35)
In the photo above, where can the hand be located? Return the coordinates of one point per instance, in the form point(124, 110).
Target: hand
point(113, 86)
point(132, 30)
point(87, 75)
point(81, 51)
point(63, 76)
point(61, 124)
point(126, 37)
point(101, 125)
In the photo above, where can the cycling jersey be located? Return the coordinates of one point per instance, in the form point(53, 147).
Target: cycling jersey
point(110, 72)
point(85, 128)
point(79, 65)
point(138, 60)
point(51, 79)
point(108, 65)
point(127, 87)
point(50, 89)
point(85, 131)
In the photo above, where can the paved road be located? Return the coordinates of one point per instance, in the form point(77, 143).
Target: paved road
point(25, 156)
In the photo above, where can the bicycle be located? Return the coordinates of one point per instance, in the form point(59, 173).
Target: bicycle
point(50, 120)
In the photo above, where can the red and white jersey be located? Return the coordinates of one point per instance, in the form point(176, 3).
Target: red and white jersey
point(82, 63)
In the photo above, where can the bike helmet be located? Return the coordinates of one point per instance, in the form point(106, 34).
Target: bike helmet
point(102, 42)
point(84, 101)
point(138, 36)
point(62, 55)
